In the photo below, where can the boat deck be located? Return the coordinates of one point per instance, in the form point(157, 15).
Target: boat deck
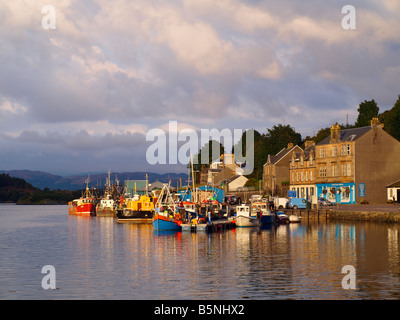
point(137, 220)
point(213, 226)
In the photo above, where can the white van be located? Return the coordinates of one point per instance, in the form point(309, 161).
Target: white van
point(280, 203)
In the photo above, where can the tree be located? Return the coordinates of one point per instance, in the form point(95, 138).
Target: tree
point(366, 111)
point(392, 120)
point(279, 136)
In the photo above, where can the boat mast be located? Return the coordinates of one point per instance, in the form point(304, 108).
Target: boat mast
point(191, 165)
point(147, 184)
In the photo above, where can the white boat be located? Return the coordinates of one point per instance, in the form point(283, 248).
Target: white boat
point(244, 217)
point(293, 218)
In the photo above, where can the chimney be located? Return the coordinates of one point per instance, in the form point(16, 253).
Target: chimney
point(375, 122)
point(290, 145)
point(309, 143)
point(335, 133)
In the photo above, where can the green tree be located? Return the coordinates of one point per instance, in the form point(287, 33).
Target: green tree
point(392, 120)
point(366, 111)
point(279, 136)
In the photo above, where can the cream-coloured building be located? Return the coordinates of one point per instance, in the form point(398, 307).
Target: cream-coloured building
point(302, 172)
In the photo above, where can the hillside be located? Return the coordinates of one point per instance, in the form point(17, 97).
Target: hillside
point(40, 179)
point(17, 190)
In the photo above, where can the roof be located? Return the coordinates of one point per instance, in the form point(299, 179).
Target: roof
point(273, 159)
point(307, 151)
point(394, 184)
point(348, 135)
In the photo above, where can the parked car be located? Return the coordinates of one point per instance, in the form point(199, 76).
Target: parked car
point(324, 202)
point(298, 203)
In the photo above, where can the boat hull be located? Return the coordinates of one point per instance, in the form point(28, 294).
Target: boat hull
point(87, 209)
point(243, 221)
point(294, 219)
point(162, 223)
point(268, 219)
point(134, 214)
point(105, 213)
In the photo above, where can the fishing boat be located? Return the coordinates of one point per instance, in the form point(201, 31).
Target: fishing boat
point(267, 217)
point(244, 218)
point(191, 210)
point(106, 206)
point(166, 215)
point(137, 209)
point(85, 205)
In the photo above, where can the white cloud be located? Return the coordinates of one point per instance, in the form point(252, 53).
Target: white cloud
point(111, 71)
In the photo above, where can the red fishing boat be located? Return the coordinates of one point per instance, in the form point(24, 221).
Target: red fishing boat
point(85, 205)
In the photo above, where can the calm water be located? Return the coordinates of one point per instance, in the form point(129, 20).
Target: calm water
point(98, 258)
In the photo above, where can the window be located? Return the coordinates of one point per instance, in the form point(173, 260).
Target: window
point(349, 169)
point(306, 175)
point(292, 176)
point(302, 176)
point(334, 151)
point(302, 160)
point(297, 176)
point(322, 152)
point(346, 169)
point(346, 149)
point(311, 177)
point(322, 171)
point(311, 159)
point(334, 170)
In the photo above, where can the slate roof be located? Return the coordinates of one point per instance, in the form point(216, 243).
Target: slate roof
point(348, 135)
point(275, 158)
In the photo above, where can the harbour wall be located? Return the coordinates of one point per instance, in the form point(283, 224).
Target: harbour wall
point(330, 214)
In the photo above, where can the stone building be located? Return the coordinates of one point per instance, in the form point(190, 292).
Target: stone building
point(302, 171)
point(356, 164)
point(276, 178)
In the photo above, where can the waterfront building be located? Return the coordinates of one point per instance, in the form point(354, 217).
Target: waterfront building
point(393, 191)
point(357, 164)
point(276, 178)
point(221, 171)
point(302, 169)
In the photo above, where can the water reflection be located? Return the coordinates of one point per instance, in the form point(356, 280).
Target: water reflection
point(98, 258)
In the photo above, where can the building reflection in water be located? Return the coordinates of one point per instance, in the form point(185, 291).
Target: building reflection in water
point(284, 262)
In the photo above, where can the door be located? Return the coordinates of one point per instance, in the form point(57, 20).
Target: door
point(398, 195)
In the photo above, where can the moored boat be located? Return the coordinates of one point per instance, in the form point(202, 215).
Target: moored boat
point(85, 205)
point(267, 217)
point(106, 206)
point(294, 219)
point(166, 216)
point(244, 218)
point(138, 209)
point(282, 218)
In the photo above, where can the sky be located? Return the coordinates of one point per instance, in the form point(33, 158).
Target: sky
point(81, 97)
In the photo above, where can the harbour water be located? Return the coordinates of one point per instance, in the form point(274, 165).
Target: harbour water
point(98, 258)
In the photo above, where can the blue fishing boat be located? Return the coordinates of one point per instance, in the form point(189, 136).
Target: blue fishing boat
point(162, 223)
point(166, 216)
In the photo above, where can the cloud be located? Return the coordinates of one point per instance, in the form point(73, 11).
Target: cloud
point(110, 72)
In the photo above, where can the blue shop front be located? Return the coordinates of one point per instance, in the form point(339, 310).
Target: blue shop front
point(338, 192)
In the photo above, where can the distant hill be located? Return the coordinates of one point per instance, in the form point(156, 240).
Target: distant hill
point(40, 179)
point(17, 190)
